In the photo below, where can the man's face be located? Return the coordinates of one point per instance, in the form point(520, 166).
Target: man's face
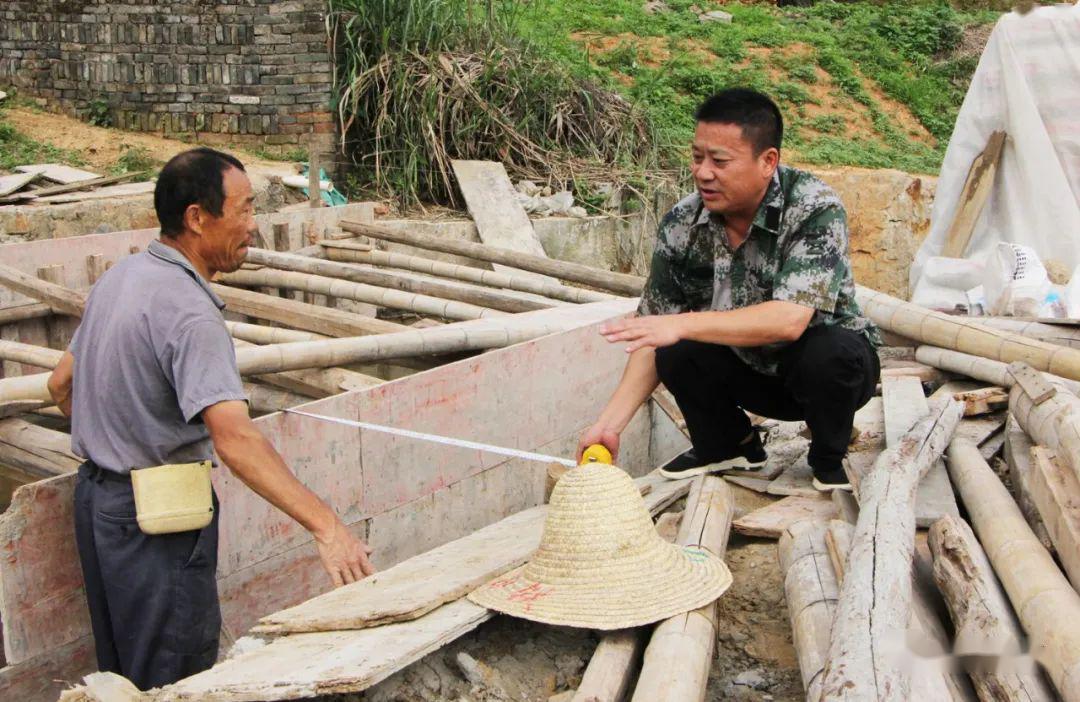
point(730, 177)
point(224, 240)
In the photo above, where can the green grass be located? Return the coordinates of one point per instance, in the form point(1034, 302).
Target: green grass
point(17, 149)
point(906, 49)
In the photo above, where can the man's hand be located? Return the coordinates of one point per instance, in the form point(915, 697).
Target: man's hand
point(599, 434)
point(344, 556)
point(652, 330)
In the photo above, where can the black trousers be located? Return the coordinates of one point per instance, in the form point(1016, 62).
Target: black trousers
point(153, 599)
point(824, 377)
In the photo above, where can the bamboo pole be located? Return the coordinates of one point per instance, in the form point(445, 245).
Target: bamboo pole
point(484, 297)
point(347, 252)
point(1053, 422)
point(29, 354)
point(21, 313)
point(265, 399)
point(811, 589)
point(360, 292)
point(1045, 602)
point(301, 315)
point(1052, 333)
point(867, 644)
point(260, 334)
point(979, 368)
point(609, 676)
point(963, 334)
point(620, 283)
point(982, 616)
point(61, 299)
point(679, 654)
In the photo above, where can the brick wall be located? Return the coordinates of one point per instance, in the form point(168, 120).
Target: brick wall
point(240, 71)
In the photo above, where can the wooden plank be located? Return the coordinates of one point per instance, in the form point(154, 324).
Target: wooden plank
point(983, 618)
point(36, 450)
point(838, 543)
point(309, 665)
point(102, 193)
point(406, 591)
point(58, 173)
point(58, 297)
point(773, 520)
point(500, 219)
point(983, 401)
point(1055, 490)
point(667, 404)
point(610, 674)
point(797, 479)
point(301, 315)
point(1033, 383)
point(973, 196)
point(1018, 456)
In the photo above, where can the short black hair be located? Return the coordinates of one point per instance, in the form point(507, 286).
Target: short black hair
point(757, 115)
point(192, 177)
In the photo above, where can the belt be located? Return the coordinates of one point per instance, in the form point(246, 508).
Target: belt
point(97, 474)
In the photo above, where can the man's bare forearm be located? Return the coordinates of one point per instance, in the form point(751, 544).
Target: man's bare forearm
point(757, 325)
point(638, 381)
point(252, 458)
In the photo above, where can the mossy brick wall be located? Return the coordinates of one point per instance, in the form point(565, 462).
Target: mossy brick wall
point(240, 71)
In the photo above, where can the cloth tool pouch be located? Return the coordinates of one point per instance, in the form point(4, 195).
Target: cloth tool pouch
point(173, 498)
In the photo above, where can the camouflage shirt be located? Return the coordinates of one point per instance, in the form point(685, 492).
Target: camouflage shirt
point(796, 250)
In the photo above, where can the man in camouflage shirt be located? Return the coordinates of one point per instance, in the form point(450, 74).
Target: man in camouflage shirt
point(749, 305)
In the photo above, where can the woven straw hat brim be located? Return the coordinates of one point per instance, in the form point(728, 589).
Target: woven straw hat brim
point(669, 581)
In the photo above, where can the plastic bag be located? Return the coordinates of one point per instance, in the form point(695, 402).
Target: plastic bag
point(1015, 281)
point(955, 273)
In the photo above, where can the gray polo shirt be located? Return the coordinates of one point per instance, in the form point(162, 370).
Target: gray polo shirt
point(151, 353)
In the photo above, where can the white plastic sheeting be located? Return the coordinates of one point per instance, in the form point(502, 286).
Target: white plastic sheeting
point(1027, 84)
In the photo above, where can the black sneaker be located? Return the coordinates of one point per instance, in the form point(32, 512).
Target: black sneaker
point(746, 457)
point(829, 479)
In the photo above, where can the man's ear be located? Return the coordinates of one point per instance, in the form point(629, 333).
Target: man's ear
point(194, 218)
point(770, 160)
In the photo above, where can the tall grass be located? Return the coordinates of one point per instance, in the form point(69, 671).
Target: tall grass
point(421, 82)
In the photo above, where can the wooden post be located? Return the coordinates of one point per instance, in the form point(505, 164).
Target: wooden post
point(1045, 602)
point(680, 652)
point(609, 676)
point(620, 283)
point(963, 334)
point(868, 637)
point(1018, 455)
point(361, 292)
point(983, 618)
point(21, 313)
point(301, 315)
point(96, 265)
point(314, 184)
point(811, 589)
point(362, 253)
point(483, 297)
point(38, 451)
point(54, 332)
point(61, 299)
point(1055, 491)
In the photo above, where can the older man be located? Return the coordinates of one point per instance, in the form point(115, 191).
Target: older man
point(151, 380)
point(749, 305)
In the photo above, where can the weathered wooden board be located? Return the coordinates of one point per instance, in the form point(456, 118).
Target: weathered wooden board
point(797, 479)
point(772, 520)
point(1018, 456)
point(492, 202)
point(121, 190)
point(58, 173)
point(1056, 492)
point(307, 665)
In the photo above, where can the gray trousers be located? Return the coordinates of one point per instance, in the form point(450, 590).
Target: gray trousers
point(153, 599)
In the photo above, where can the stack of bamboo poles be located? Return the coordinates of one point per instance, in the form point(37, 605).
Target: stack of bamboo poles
point(307, 324)
point(1007, 575)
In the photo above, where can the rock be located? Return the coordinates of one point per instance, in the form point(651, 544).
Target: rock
point(578, 212)
point(652, 7)
point(751, 678)
point(888, 218)
point(562, 696)
point(716, 16)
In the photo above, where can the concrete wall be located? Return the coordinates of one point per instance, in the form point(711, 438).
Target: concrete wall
point(252, 71)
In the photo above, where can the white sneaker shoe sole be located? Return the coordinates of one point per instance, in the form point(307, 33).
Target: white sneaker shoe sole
point(823, 487)
point(739, 463)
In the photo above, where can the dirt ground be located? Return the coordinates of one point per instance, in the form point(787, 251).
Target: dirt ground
point(511, 659)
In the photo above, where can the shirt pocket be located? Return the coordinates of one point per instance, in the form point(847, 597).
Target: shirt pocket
point(697, 284)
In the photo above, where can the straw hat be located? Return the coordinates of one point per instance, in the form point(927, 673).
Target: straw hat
point(601, 564)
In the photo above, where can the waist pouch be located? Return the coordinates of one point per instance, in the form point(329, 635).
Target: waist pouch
point(173, 498)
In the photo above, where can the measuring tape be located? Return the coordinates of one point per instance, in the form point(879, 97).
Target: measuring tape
point(444, 440)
